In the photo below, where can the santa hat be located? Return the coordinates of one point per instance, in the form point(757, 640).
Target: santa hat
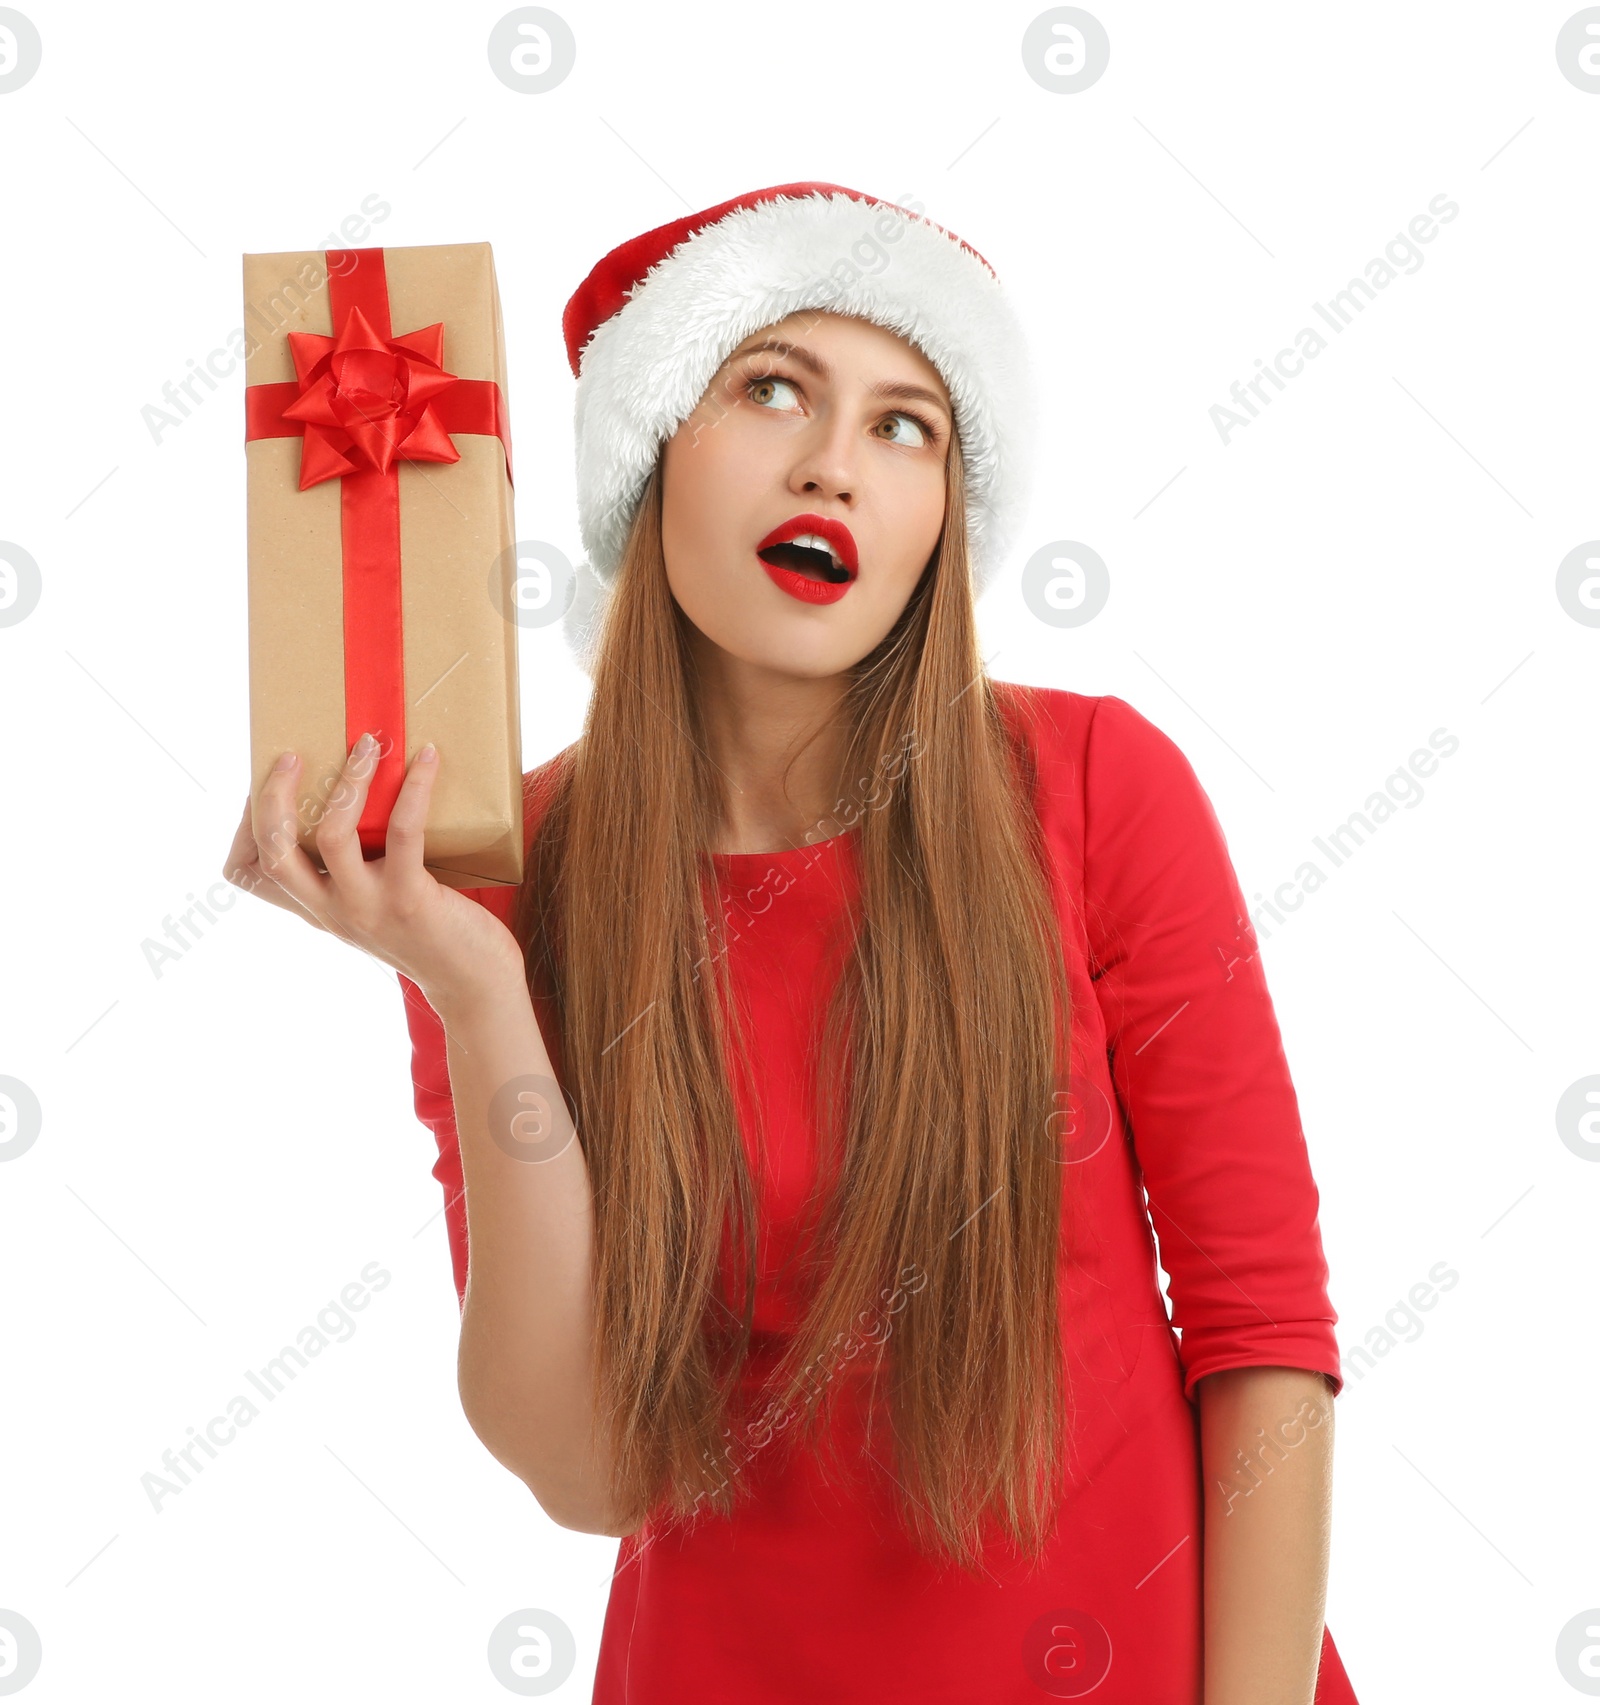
point(650, 326)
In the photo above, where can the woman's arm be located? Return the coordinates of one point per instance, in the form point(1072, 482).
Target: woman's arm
point(1266, 1452)
point(1201, 1074)
point(527, 1332)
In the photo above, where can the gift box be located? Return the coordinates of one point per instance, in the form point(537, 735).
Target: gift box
point(382, 546)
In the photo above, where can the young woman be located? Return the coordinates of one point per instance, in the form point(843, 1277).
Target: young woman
point(797, 1116)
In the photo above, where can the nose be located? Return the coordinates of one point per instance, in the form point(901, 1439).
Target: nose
point(826, 464)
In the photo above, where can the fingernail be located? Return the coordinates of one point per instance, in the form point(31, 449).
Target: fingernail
point(362, 746)
point(427, 754)
point(286, 762)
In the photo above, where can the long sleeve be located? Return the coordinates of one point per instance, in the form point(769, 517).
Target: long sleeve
point(1198, 1062)
point(430, 1082)
point(430, 1061)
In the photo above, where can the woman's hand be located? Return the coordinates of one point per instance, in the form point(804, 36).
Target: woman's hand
point(393, 908)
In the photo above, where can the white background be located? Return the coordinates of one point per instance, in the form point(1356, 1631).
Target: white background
point(226, 1145)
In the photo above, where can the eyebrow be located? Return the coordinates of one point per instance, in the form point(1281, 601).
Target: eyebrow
point(895, 390)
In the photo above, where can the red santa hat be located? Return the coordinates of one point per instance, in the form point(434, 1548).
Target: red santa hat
point(649, 327)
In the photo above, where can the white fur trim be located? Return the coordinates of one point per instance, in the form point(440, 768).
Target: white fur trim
point(648, 365)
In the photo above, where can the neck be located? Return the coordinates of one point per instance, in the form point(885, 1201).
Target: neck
point(774, 740)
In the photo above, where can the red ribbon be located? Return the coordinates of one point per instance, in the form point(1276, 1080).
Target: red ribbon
point(362, 402)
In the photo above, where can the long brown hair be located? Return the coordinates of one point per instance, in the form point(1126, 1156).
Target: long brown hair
point(937, 1207)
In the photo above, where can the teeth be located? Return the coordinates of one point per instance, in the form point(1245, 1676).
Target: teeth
point(818, 543)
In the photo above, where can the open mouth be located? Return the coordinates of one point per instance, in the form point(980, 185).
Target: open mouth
point(807, 560)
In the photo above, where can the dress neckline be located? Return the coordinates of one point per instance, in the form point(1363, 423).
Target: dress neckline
point(784, 858)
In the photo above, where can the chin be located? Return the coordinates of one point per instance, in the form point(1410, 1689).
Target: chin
point(796, 648)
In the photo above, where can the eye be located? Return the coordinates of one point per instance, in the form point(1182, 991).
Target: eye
point(761, 388)
point(924, 434)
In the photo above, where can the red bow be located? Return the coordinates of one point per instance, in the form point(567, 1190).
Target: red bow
point(366, 400)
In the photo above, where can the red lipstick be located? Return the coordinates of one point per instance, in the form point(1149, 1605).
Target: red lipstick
point(832, 561)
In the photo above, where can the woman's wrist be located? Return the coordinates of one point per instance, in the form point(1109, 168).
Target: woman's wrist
point(488, 991)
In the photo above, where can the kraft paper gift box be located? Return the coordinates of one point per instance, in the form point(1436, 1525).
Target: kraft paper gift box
point(382, 554)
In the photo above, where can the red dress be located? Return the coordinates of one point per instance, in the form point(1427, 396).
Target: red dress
point(1183, 1096)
